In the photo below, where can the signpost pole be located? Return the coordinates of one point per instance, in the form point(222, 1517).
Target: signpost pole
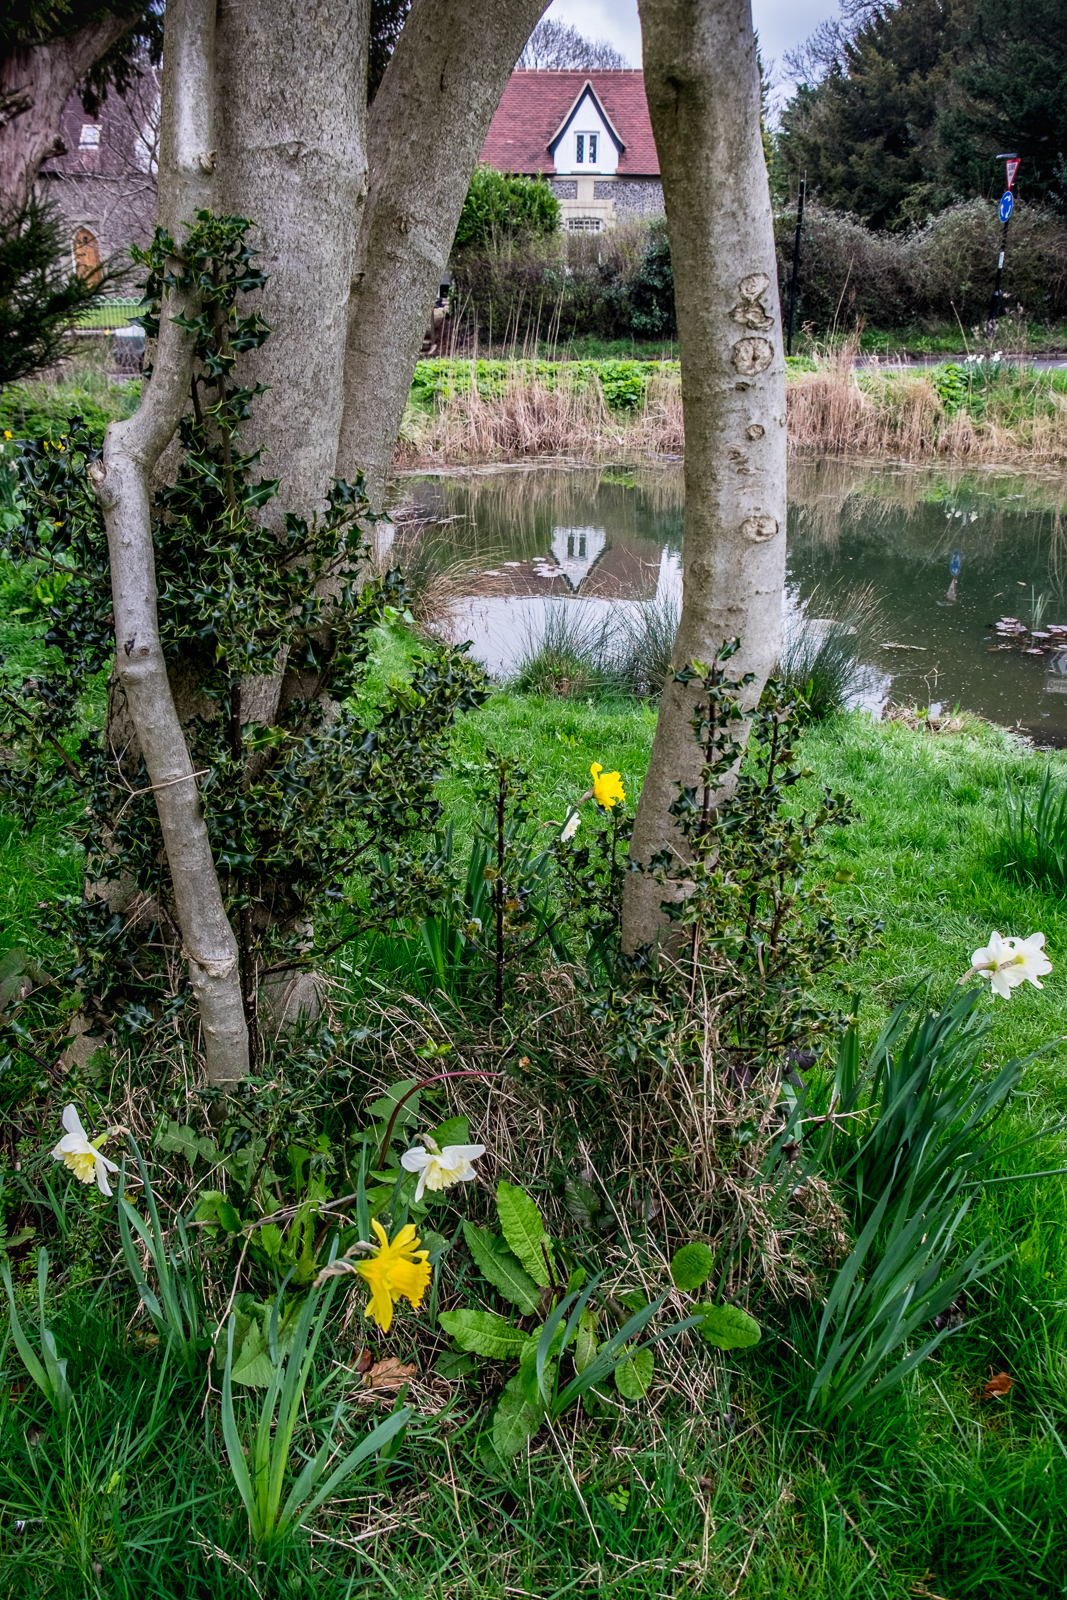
point(796, 266)
point(1007, 204)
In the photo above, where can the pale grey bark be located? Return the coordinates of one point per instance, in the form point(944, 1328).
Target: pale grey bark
point(291, 83)
point(122, 481)
point(428, 123)
point(702, 82)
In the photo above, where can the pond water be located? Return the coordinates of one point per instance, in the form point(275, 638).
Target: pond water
point(968, 569)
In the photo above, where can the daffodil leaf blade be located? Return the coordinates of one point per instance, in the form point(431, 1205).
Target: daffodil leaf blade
point(502, 1268)
point(515, 1421)
point(633, 1378)
point(483, 1333)
point(692, 1265)
point(524, 1229)
point(728, 1327)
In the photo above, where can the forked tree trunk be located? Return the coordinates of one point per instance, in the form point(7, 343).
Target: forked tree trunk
point(428, 123)
point(123, 485)
point(291, 118)
point(702, 82)
point(35, 85)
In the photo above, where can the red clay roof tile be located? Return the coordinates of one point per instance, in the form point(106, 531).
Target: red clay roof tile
point(535, 103)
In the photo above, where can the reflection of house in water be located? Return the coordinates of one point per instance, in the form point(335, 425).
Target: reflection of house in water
point(587, 561)
point(575, 550)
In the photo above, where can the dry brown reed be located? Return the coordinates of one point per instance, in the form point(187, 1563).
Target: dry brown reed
point(838, 408)
point(531, 419)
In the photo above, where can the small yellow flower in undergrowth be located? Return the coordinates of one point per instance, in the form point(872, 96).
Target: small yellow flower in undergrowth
point(607, 787)
point(397, 1270)
point(1008, 962)
point(440, 1169)
point(82, 1157)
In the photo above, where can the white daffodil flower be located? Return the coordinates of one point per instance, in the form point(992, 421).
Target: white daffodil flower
point(570, 828)
point(1007, 962)
point(83, 1158)
point(440, 1169)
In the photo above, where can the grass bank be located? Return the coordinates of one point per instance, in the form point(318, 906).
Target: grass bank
point(947, 1489)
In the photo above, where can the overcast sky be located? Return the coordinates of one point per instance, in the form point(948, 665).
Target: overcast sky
point(781, 23)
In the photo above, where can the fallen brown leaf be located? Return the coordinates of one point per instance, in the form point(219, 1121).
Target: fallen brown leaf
point(388, 1374)
point(998, 1386)
point(365, 1360)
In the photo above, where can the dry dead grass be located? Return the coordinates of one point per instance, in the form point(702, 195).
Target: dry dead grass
point(533, 420)
point(835, 409)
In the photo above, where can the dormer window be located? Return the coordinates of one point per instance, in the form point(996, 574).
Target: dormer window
point(585, 149)
point(90, 136)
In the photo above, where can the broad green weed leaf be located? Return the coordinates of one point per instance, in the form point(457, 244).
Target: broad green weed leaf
point(728, 1327)
point(484, 1333)
point(524, 1229)
point(585, 1340)
point(633, 1378)
point(691, 1265)
point(455, 1131)
point(514, 1421)
point(496, 1262)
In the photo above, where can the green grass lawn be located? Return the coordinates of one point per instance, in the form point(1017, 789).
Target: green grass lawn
point(940, 1491)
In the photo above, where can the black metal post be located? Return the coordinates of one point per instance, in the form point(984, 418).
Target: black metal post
point(796, 266)
point(1012, 160)
point(994, 310)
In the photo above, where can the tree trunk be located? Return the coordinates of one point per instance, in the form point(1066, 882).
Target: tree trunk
point(122, 481)
point(702, 82)
point(428, 123)
point(35, 85)
point(291, 87)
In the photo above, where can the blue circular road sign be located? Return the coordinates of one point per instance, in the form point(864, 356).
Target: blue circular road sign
point(1007, 201)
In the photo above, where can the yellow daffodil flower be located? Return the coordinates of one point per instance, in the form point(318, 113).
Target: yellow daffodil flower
point(440, 1169)
point(82, 1157)
point(607, 787)
point(398, 1270)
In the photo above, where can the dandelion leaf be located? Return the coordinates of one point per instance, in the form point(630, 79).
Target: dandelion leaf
point(497, 1263)
point(524, 1229)
point(484, 1334)
point(514, 1421)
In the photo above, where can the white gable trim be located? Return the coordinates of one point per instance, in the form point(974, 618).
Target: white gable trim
point(587, 93)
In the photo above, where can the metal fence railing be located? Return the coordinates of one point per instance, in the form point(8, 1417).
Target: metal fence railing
point(109, 314)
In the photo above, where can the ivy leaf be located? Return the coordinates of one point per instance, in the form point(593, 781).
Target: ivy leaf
point(496, 1262)
point(484, 1333)
point(524, 1229)
point(728, 1327)
point(691, 1265)
point(633, 1378)
point(514, 1421)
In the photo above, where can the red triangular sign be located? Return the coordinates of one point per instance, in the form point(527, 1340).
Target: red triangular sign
point(1013, 167)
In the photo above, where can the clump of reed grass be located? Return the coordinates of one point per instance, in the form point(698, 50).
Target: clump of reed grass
point(1033, 838)
point(638, 645)
point(563, 655)
point(822, 656)
point(436, 574)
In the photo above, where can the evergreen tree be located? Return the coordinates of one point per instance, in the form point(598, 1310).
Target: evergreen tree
point(866, 135)
point(1009, 93)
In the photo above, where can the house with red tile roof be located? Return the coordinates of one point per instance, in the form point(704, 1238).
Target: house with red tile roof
point(589, 135)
